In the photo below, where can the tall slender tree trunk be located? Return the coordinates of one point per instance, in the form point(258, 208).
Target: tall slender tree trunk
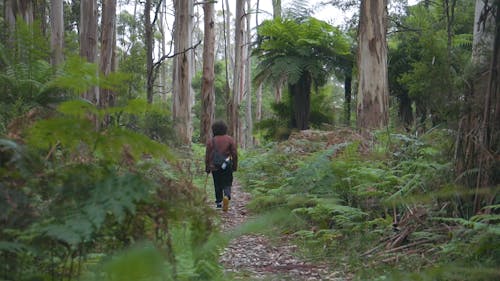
point(248, 80)
point(10, 22)
point(483, 35)
point(163, 51)
point(258, 93)
point(405, 112)
point(107, 97)
point(347, 98)
point(373, 89)
point(278, 87)
point(207, 84)
point(10, 15)
point(88, 40)
point(228, 34)
point(57, 31)
point(40, 13)
point(26, 10)
point(449, 8)
point(238, 72)
point(226, 12)
point(182, 78)
point(148, 37)
point(277, 9)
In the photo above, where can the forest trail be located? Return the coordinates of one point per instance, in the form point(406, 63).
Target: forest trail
point(255, 257)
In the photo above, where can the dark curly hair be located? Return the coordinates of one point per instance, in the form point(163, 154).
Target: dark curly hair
point(219, 128)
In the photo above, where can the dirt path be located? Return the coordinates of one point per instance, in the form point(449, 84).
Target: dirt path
point(254, 257)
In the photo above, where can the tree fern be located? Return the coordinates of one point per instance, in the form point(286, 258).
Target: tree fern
point(297, 9)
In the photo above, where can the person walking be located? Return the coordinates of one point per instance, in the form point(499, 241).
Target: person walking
point(221, 159)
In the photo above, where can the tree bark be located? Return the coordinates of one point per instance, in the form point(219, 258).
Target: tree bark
point(57, 31)
point(228, 59)
point(88, 40)
point(373, 91)
point(26, 10)
point(483, 35)
point(278, 87)
point(258, 94)
point(207, 84)
point(182, 77)
point(301, 101)
point(489, 134)
point(163, 51)
point(478, 133)
point(405, 112)
point(10, 15)
point(238, 72)
point(148, 37)
point(276, 9)
point(347, 98)
point(248, 78)
point(107, 97)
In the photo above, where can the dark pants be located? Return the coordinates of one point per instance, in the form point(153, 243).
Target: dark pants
point(223, 180)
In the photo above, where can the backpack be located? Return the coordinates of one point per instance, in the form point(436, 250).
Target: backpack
point(218, 159)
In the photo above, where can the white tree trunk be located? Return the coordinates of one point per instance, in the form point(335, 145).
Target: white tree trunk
point(238, 78)
point(182, 82)
point(207, 84)
point(277, 9)
point(26, 10)
point(161, 49)
point(57, 31)
point(258, 94)
point(483, 35)
point(248, 82)
point(373, 89)
point(229, 50)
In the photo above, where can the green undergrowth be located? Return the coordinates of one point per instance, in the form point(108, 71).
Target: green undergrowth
point(383, 207)
point(85, 197)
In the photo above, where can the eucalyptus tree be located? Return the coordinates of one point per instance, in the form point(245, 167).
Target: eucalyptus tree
point(373, 89)
point(478, 138)
point(148, 38)
point(207, 85)
point(304, 53)
point(277, 9)
point(234, 122)
point(182, 75)
point(108, 44)
point(57, 31)
point(248, 77)
point(484, 24)
point(88, 39)
point(258, 92)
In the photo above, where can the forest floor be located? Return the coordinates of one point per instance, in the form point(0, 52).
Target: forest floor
point(257, 257)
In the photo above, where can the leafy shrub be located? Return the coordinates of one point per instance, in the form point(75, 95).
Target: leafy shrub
point(390, 207)
point(73, 192)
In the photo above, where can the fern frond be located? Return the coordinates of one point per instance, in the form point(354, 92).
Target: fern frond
point(463, 40)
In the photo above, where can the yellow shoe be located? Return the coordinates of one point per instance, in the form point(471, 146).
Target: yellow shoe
point(225, 204)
